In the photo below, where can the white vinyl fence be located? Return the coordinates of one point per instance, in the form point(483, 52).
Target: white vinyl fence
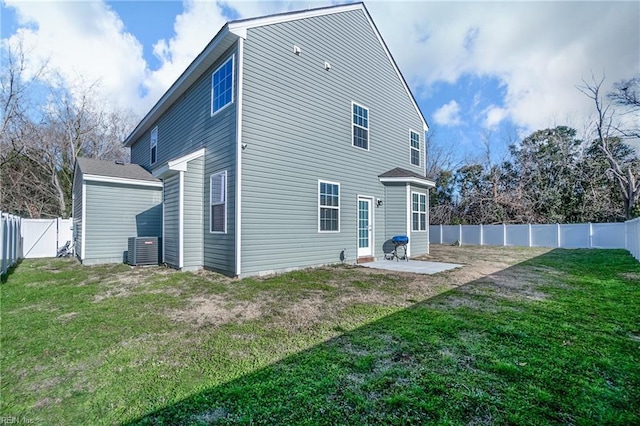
point(633, 237)
point(43, 237)
point(31, 238)
point(10, 241)
point(623, 235)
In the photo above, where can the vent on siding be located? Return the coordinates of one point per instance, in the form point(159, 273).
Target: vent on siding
point(144, 251)
point(120, 162)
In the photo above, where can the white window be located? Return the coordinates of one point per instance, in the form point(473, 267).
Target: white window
point(154, 145)
point(360, 126)
point(218, 202)
point(222, 86)
point(328, 206)
point(415, 148)
point(419, 211)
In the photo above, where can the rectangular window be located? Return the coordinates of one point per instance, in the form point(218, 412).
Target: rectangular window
point(360, 120)
point(328, 207)
point(218, 202)
point(419, 211)
point(154, 145)
point(222, 86)
point(415, 148)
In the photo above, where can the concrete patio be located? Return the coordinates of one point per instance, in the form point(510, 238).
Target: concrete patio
point(412, 266)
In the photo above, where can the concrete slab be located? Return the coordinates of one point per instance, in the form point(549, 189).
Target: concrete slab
point(413, 266)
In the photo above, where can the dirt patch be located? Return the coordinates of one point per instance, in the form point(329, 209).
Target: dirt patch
point(631, 276)
point(216, 310)
point(64, 318)
point(489, 273)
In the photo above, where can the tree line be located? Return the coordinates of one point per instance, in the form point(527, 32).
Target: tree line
point(46, 124)
point(552, 175)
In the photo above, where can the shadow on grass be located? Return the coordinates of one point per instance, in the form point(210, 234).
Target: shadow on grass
point(471, 355)
point(10, 270)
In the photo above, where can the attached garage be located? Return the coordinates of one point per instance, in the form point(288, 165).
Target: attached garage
point(112, 202)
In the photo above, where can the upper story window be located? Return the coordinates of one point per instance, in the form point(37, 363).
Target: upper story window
point(328, 207)
point(218, 202)
point(360, 120)
point(418, 211)
point(222, 86)
point(154, 145)
point(415, 148)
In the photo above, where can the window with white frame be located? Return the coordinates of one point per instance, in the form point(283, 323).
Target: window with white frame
point(415, 148)
point(218, 202)
point(328, 206)
point(154, 145)
point(419, 211)
point(222, 86)
point(360, 126)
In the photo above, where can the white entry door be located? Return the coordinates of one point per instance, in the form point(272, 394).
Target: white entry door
point(365, 227)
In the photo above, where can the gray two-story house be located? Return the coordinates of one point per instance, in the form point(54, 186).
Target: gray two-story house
point(292, 140)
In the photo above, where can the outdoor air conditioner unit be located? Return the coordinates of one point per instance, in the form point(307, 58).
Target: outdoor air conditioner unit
point(144, 251)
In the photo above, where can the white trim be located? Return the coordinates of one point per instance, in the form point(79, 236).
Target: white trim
point(408, 194)
point(124, 181)
point(151, 146)
point(224, 188)
point(329, 207)
point(84, 220)
point(368, 128)
point(419, 212)
point(372, 211)
point(238, 186)
point(181, 220)
point(413, 180)
point(180, 85)
point(233, 66)
point(240, 28)
point(179, 164)
point(411, 149)
point(163, 223)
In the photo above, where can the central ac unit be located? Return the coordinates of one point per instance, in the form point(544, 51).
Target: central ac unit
point(144, 251)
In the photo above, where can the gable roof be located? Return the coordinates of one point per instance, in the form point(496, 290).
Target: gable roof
point(400, 175)
point(227, 36)
point(93, 169)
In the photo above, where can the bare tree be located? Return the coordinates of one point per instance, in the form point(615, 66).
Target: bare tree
point(40, 141)
point(626, 174)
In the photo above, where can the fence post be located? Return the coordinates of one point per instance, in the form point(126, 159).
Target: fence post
point(440, 233)
point(504, 234)
point(530, 242)
point(1, 243)
point(558, 240)
point(481, 235)
point(460, 234)
point(590, 235)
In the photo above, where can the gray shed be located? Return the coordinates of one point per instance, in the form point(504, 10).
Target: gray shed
point(112, 202)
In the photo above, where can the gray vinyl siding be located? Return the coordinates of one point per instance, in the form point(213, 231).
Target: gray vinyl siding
point(395, 210)
point(171, 233)
point(116, 212)
point(77, 213)
point(193, 213)
point(186, 127)
point(297, 127)
point(419, 241)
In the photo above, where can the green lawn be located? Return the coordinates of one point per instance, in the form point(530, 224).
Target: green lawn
point(519, 336)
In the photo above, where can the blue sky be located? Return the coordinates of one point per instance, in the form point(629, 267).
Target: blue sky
point(480, 71)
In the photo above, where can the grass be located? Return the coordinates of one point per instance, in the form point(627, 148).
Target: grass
point(521, 336)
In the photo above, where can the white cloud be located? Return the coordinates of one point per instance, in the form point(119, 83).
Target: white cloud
point(539, 51)
point(448, 114)
point(83, 41)
point(193, 29)
point(494, 116)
